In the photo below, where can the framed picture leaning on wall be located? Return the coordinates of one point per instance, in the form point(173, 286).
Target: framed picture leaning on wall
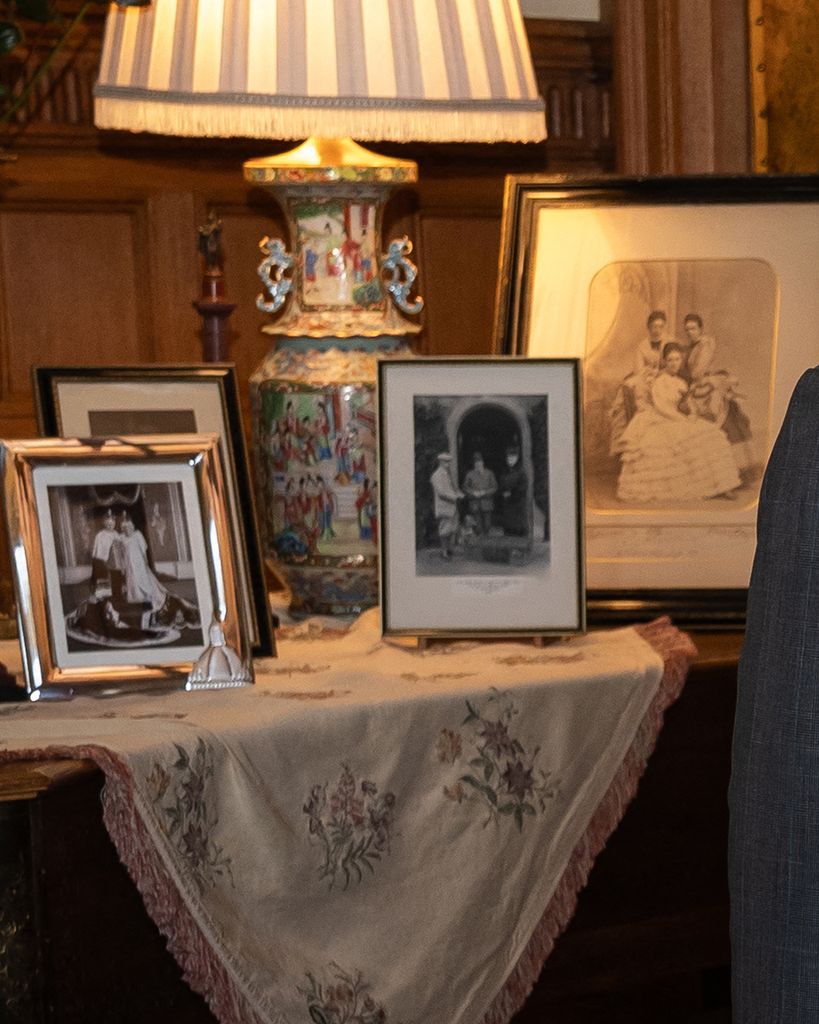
point(481, 504)
point(122, 559)
point(693, 303)
point(117, 401)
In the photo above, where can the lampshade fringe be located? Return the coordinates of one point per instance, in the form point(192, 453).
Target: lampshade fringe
point(367, 125)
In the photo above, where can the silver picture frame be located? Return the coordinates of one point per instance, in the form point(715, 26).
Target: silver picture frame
point(117, 401)
point(122, 559)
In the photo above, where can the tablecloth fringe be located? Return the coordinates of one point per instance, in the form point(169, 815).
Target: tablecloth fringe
point(186, 941)
point(677, 651)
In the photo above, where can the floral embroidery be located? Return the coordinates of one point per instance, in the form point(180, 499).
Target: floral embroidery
point(345, 999)
point(353, 824)
point(413, 677)
point(301, 670)
point(303, 694)
point(540, 659)
point(449, 746)
point(186, 818)
point(502, 775)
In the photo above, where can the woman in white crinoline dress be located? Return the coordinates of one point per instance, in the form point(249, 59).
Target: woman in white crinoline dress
point(667, 455)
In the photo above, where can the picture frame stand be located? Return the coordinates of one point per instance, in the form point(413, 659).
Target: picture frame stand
point(424, 643)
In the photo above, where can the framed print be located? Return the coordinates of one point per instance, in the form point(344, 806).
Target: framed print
point(117, 401)
point(122, 559)
point(481, 504)
point(693, 303)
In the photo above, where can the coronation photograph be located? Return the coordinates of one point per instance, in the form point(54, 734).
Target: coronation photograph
point(125, 563)
point(481, 526)
point(123, 558)
point(125, 566)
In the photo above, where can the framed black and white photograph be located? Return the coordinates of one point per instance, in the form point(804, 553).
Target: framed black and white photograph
point(118, 401)
point(481, 504)
point(692, 303)
point(123, 558)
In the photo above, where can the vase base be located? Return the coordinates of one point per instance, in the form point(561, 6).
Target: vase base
point(320, 590)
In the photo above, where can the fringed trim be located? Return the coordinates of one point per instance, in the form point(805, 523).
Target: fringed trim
point(677, 652)
point(227, 120)
point(201, 969)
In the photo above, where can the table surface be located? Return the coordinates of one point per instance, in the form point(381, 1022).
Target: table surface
point(21, 780)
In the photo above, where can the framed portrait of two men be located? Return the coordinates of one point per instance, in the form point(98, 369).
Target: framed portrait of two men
point(693, 304)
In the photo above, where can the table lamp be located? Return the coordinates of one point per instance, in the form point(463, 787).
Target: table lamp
point(328, 70)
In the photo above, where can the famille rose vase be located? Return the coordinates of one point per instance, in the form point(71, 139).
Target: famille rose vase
point(313, 396)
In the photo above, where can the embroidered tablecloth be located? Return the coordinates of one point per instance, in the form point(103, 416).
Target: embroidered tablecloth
point(371, 833)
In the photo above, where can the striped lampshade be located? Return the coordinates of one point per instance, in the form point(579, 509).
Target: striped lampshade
point(400, 70)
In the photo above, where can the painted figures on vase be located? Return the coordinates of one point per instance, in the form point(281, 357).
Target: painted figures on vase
point(337, 253)
point(321, 498)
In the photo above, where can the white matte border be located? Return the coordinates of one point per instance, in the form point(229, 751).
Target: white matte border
point(547, 600)
point(83, 475)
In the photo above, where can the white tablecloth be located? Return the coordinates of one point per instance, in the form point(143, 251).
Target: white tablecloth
point(371, 834)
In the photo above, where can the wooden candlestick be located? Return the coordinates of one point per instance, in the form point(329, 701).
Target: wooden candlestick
point(211, 305)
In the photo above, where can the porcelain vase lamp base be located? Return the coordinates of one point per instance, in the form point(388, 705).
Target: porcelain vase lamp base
point(313, 397)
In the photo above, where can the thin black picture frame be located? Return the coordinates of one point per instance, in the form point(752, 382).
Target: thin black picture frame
point(544, 590)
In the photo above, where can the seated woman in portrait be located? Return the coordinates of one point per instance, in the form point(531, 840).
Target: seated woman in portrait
point(141, 586)
point(668, 454)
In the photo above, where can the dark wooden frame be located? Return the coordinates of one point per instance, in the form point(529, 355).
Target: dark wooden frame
point(709, 608)
point(47, 380)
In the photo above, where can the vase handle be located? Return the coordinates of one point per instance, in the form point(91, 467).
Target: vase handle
point(271, 271)
point(396, 261)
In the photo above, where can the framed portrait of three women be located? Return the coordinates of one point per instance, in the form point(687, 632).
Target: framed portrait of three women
point(693, 304)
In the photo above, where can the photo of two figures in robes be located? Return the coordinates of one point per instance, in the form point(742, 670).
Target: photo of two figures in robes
point(126, 572)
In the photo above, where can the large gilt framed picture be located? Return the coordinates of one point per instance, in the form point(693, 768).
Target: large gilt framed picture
point(693, 304)
point(122, 560)
point(481, 504)
point(117, 401)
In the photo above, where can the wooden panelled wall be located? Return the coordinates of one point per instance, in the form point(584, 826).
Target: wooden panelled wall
point(98, 233)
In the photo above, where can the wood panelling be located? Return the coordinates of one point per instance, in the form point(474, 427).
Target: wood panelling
point(99, 230)
point(71, 286)
point(681, 77)
point(447, 293)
